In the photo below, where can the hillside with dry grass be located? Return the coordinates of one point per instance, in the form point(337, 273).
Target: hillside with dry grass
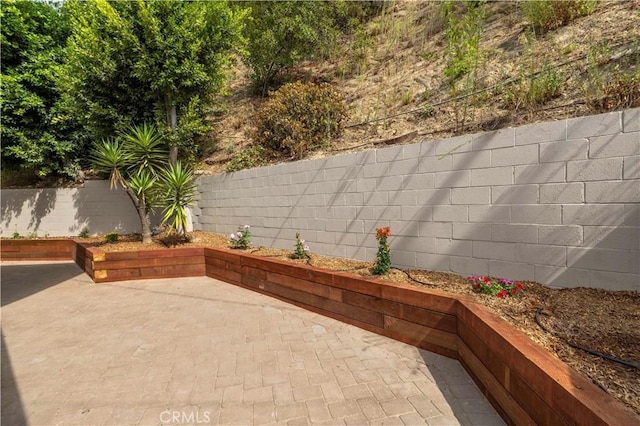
point(397, 76)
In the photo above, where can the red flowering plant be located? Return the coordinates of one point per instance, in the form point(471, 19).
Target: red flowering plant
point(383, 258)
point(500, 287)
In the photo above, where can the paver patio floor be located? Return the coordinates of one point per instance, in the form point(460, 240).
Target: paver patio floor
point(200, 351)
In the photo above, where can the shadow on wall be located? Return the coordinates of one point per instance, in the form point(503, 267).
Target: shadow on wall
point(423, 218)
point(553, 202)
point(101, 209)
point(531, 230)
point(454, 210)
point(406, 194)
point(603, 248)
point(40, 202)
point(67, 211)
point(273, 227)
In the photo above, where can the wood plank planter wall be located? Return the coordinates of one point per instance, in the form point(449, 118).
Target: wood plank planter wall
point(525, 383)
point(138, 265)
point(50, 249)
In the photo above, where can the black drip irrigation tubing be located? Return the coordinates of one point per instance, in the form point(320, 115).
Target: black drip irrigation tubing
point(415, 279)
point(582, 348)
point(264, 255)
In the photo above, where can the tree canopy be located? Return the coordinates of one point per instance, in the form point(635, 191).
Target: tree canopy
point(36, 132)
point(280, 34)
point(131, 62)
point(76, 72)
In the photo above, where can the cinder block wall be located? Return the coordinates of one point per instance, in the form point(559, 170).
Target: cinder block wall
point(555, 202)
point(67, 211)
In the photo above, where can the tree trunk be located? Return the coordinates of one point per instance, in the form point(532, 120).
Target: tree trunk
point(145, 221)
point(143, 214)
point(173, 121)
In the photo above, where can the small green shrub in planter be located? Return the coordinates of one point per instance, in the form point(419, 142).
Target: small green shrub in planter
point(302, 250)
point(111, 237)
point(84, 233)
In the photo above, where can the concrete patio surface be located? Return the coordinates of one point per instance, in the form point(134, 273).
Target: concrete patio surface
point(200, 351)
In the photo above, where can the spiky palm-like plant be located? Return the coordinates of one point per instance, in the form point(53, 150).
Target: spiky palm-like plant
point(146, 145)
point(111, 157)
point(178, 192)
point(134, 163)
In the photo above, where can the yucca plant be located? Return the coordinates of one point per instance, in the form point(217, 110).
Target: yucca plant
point(110, 156)
point(143, 184)
point(178, 192)
point(145, 144)
point(134, 162)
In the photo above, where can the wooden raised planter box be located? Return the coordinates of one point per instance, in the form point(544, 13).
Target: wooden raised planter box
point(525, 383)
point(49, 249)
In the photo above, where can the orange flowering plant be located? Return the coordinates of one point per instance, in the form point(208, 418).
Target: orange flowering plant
point(383, 258)
point(383, 232)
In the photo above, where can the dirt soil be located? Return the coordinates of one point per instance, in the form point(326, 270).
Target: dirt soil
point(389, 77)
point(602, 321)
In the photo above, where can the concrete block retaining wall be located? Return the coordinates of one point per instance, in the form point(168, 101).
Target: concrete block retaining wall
point(67, 211)
point(555, 202)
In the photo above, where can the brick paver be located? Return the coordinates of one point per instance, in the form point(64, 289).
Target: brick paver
point(200, 351)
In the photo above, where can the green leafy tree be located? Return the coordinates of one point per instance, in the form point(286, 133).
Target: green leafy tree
point(281, 34)
point(130, 62)
point(37, 134)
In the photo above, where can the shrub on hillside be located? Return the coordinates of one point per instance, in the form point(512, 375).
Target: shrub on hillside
point(547, 15)
point(622, 92)
point(535, 90)
point(300, 117)
point(252, 156)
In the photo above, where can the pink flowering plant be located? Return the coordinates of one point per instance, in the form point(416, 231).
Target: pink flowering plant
point(499, 287)
point(241, 239)
point(302, 250)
